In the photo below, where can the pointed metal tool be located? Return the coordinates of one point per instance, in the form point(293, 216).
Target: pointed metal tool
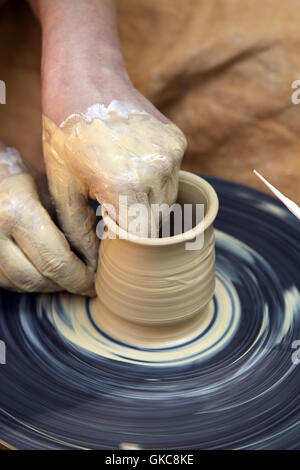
point(291, 205)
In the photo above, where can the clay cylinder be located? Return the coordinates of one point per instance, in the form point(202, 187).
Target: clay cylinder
point(159, 282)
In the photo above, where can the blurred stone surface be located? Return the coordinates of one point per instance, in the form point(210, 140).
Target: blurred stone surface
point(222, 70)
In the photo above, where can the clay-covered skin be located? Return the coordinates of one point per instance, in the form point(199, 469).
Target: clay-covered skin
point(34, 254)
point(102, 154)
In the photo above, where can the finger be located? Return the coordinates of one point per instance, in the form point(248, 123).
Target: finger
point(48, 250)
point(165, 190)
point(76, 217)
point(132, 212)
point(18, 273)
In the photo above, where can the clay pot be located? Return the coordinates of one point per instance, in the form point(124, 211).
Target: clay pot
point(155, 289)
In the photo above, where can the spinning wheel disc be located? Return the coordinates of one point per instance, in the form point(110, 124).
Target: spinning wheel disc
point(67, 384)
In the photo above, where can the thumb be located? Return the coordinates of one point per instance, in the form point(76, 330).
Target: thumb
point(77, 219)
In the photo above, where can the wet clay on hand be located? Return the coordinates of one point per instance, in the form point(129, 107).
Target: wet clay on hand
point(35, 256)
point(105, 153)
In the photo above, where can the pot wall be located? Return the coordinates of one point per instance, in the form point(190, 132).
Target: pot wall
point(158, 281)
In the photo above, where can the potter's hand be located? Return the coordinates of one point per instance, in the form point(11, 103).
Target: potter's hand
point(107, 152)
point(34, 254)
point(113, 150)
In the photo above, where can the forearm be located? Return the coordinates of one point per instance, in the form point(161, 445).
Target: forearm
point(80, 44)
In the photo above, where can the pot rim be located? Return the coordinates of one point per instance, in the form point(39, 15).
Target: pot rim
point(189, 235)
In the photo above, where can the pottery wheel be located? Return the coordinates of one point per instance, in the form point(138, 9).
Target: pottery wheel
point(67, 384)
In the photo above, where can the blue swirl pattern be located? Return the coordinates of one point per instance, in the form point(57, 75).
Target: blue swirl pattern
point(67, 384)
